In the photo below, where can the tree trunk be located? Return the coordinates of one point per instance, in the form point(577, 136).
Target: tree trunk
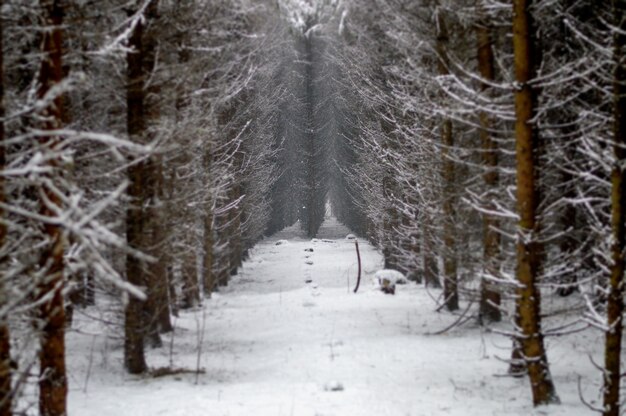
point(191, 292)
point(208, 276)
point(156, 274)
point(52, 375)
point(431, 269)
point(615, 301)
point(235, 221)
point(489, 295)
point(529, 298)
point(6, 399)
point(136, 218)
point(390, 219)
point(450, 282)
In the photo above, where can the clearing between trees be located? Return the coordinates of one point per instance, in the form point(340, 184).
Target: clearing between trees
point(272, 344)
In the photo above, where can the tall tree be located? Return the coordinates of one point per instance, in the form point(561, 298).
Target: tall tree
point(52, 379)
point(489, 297)
point(450, 283)
point(615, 300)
point(6, 400)
point(528, 256)
point(139, 193)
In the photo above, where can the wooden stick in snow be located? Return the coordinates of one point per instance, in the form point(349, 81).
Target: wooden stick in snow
point(358, 256)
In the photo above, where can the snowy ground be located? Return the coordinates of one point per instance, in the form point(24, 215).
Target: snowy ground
point(273, 344)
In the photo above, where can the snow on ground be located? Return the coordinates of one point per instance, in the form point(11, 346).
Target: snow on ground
point(273, 344)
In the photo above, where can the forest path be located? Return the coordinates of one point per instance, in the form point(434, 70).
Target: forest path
point(273, 344)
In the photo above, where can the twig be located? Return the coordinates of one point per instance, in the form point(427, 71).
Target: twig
point(93, 344)
point(583, 400)
point(200, 342)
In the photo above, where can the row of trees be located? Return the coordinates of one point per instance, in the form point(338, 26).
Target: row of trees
point(139, 151)
point(148, 145)
point(480, 145)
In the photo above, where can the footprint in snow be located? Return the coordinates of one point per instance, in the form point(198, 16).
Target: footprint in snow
point(309, 262)
point(333, 385)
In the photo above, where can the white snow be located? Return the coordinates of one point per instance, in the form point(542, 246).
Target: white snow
point(272, 344)
point(393, 276)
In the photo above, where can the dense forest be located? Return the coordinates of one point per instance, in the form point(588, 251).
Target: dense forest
point(146, 146)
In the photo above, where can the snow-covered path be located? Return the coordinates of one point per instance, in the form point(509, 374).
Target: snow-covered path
point(273, 344)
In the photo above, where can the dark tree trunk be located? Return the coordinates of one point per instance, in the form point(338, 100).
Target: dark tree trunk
point(52, 378)
point(208, 276)
point(489, 295)
point(431, 269)
point(136, 218)
point(191, 291)
point(615, 300)
point(6, 397)
point(450, 282)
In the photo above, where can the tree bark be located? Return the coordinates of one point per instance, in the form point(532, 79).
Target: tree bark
point(615, 301)
point(52, 374)
point(450, 282)
point(528, 295)
point(136, 218)
point(191, 291)
point(208, 276)
point(235, 222)
point(6, 396)
point(489, 295)
point(431, 269)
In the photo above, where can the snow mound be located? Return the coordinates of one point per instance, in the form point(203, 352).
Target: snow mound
point(281, 242)
point(386, 280)
point(391, 276)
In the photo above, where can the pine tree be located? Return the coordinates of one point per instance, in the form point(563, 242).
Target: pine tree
point(615, 298)
point(52, 381)
point(528, 259)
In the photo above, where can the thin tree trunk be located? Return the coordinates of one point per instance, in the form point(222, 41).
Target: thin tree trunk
point(208, 277)
point(52, 375)
point(450, 282)
point(389, 221)
point(615, 301)
point(191, 291)
point(6, 396)
point(235, 221)
point(431, 269)
point(528, 260)
point(489, 295)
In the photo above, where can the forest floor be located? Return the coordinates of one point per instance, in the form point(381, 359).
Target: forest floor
point(273, 344)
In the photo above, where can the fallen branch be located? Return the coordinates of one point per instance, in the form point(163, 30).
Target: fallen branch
point(461, 317)
point(172, 371)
